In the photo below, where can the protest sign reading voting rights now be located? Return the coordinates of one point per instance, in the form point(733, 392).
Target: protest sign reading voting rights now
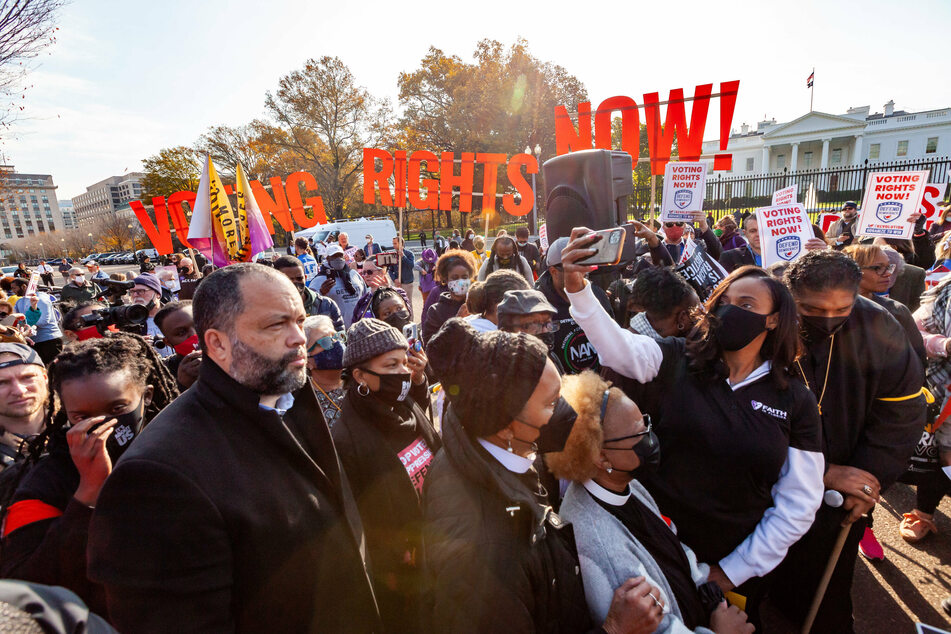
point(683, 191)
point(890, 198)
point(784, 231)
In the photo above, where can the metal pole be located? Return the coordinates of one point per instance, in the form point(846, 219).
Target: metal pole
point(534, 203)
point(653, 181)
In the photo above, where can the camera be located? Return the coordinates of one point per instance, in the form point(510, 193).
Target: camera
point(114, 291)
point(126, 317)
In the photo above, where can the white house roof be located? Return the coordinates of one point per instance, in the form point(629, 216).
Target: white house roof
point(815, 124)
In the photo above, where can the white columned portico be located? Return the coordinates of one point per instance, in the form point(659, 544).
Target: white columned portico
point(765, 159)
point(857, 152)
point(794, 161)
point(825, 153)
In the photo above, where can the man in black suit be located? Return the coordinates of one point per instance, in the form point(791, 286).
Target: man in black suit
point(747, 254)
point(231, 511)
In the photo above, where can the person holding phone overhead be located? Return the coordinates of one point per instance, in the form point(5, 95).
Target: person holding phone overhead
point(569, 343)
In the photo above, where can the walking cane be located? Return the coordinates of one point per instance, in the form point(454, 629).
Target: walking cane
point(835, 500)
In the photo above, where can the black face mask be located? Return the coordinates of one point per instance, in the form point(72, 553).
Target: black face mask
point(818, 328)
point(398, 319)
point(553, 436)
point(548, 338)
point(394, 388)
point(738, 327)
point(127, 427)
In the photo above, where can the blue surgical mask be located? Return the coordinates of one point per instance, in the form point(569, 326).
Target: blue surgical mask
point(330, 359)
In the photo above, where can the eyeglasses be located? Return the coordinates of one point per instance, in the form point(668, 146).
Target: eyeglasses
point(673, 224)
point(326, 343)
point(648, 427)
point(537, 328)
point(140, 292)
point(881, 269)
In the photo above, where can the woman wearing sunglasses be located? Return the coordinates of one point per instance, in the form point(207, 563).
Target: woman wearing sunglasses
point(618, 529)
point(877, 272)
point(741, 469)
point(325, 347)
point(386, 444)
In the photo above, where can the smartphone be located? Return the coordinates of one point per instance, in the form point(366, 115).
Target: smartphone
point(411, 332)
point(608, 247)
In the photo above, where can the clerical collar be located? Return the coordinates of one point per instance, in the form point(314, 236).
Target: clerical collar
point(511, 461)
point(608, 497)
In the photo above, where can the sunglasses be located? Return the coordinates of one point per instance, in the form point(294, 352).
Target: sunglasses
point(326, 343)
point(881, 269)
point(673, 224)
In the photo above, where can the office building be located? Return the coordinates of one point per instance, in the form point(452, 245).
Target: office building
point(109, 196)
point(28, 204)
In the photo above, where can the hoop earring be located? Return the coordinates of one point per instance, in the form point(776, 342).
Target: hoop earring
point(361, 392)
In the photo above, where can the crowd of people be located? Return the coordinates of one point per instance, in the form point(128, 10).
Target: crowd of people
point(548, 446)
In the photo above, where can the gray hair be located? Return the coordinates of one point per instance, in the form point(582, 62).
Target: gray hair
point(76, 269)
point(314, 322)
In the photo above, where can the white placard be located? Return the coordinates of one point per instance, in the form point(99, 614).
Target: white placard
point(785, 196)
point(783, 232)
point(32, 286)
point(890, 198)
point(543, 235)
point(684, 187)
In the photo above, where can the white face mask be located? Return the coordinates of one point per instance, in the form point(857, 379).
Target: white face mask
point(80, 280)
point(337, 264)
point(458, 287)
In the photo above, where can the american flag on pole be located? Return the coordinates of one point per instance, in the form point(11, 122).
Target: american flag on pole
point(812, 76)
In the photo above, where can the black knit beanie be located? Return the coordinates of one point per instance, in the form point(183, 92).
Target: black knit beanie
point(488, 377)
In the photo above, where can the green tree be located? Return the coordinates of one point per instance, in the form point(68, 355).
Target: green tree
point(324, 119)
point(171, 170)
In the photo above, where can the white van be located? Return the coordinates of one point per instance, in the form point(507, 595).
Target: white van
point(382, 229)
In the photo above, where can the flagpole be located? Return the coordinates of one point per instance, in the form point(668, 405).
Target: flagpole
point(812, 87)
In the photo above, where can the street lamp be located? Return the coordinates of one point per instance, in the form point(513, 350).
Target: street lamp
point(534, 220)
point(43, 249)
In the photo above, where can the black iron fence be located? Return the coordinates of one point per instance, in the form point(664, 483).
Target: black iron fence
point(820, 190)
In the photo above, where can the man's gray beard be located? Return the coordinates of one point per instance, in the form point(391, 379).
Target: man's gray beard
point(263, 375)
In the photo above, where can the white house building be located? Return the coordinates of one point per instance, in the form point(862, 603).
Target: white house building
point(819, 140)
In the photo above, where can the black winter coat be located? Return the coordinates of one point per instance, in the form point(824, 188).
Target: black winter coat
point(498, 560)
point(389, 502)
point(439, 313)
point(735, 258)
point(225, 517)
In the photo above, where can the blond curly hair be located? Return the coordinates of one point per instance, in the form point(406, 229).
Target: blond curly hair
point(579, 460)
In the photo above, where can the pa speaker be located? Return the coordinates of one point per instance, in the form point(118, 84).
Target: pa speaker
point(586, 189)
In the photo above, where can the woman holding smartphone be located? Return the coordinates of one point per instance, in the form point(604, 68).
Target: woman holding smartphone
point(742, 467)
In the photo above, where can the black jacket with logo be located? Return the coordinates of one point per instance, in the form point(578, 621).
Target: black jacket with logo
point(721, 450)
point(570, 345)
point(224, 517)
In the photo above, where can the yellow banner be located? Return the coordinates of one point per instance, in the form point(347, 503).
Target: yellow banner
point(243, 190)
point(222, 216)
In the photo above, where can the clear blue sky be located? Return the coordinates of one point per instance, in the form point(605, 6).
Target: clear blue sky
point(126, 79)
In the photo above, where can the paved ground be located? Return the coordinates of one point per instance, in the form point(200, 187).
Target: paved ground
point(908, 586)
